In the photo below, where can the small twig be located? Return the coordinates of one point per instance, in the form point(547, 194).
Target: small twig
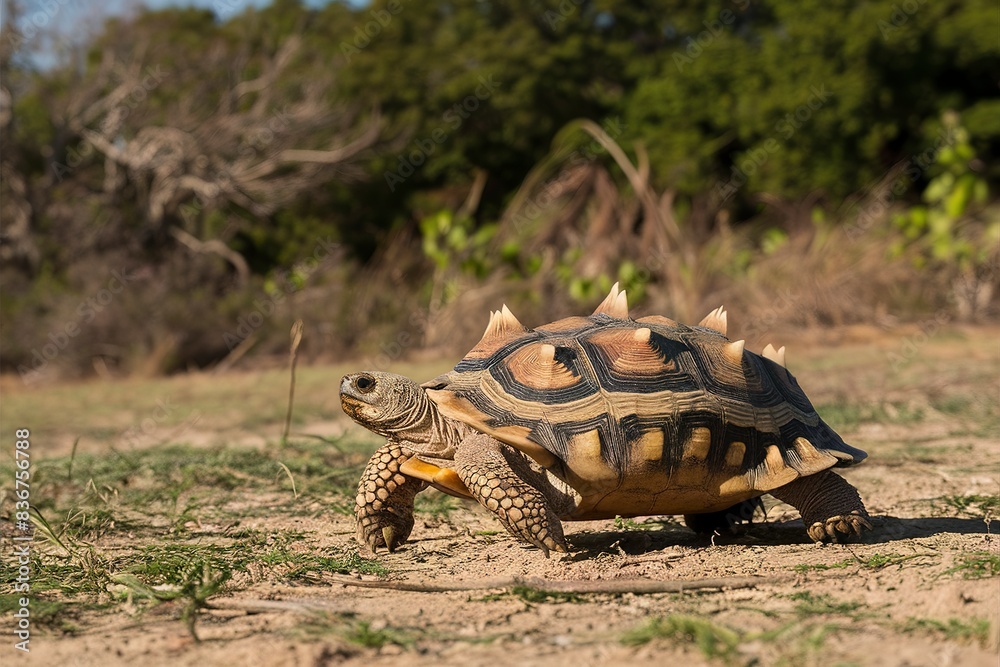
point(293, 353)
point(72, 458)
point(295, 494)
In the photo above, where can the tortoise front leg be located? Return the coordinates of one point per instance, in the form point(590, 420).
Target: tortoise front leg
point(829, 505)
point(503, 481)
point(384, 505)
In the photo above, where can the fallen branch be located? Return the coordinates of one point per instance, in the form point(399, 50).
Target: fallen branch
point(607, 586)
point(604, 587)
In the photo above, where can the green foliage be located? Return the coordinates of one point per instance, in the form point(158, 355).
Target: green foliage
point(755, 97)
point(939, 226)
point(452, 241)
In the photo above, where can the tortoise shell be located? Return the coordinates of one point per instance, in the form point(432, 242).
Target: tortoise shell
point(643, 416)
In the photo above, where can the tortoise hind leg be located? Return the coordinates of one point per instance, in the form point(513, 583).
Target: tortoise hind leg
point(503, 481)
point(830, 507)
point(712, 522)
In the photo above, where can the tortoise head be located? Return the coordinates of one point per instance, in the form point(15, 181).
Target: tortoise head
point(384, 403)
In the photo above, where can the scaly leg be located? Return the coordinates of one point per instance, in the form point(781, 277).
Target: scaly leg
point(504, 482)
point(830, 507)
point(384, 505)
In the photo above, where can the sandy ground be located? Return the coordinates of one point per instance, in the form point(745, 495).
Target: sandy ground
point(905, 595)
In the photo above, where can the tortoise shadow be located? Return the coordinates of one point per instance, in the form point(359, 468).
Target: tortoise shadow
point(886, 529)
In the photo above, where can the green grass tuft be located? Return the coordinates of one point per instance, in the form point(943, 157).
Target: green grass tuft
point(712, 640)
point(975, 629)
point(976, 565)
point(364, 633)
point(846, 415)
point(812, 605)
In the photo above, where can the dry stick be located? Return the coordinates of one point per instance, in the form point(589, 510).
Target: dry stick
point(614, 586)
point(606, 587)
point(293, 353)
point(72, 458)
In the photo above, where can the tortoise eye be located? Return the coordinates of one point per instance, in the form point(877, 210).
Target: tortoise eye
point(365, 383)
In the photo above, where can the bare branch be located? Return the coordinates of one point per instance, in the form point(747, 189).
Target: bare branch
point(594, 587)
point(217, 247)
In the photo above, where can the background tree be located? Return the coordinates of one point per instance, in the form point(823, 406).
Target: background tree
point(210, 156)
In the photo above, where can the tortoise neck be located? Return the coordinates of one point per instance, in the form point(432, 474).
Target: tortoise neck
point(426, 431)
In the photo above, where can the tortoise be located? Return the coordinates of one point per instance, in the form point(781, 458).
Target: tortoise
point(599, 417)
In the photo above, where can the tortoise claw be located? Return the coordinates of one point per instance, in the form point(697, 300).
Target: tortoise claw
point(389, 535)
point(839, 527)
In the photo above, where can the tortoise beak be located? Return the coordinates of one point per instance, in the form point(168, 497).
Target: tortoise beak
point(346, 386)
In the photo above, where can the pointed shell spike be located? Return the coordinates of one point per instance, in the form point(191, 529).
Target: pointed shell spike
point(642, 335)
point(718, 320)
point(502, 324)
point(734, 351)
point(509, 321)
point(547, 353)
point(614, 305)
point(777, 356)
point(489, 326)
